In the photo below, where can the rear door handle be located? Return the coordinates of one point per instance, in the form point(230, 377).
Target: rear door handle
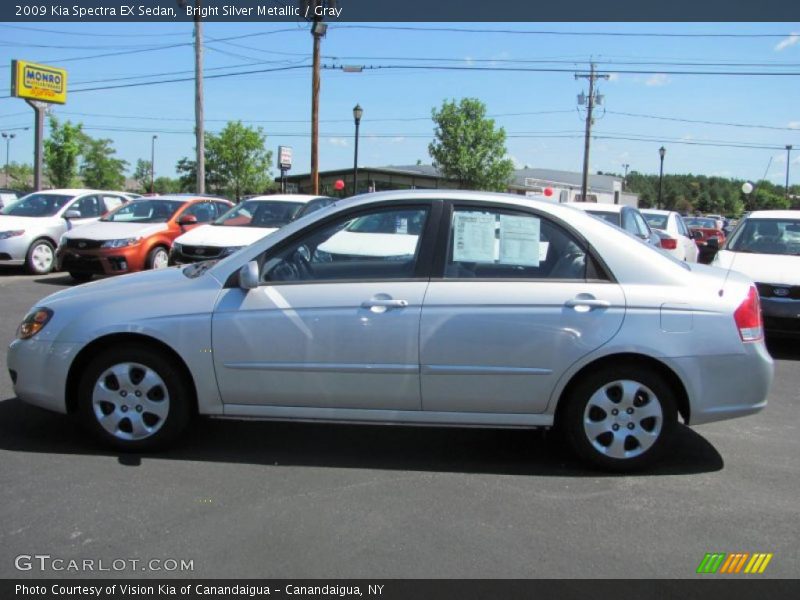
point(383, 304)
point(586, 304)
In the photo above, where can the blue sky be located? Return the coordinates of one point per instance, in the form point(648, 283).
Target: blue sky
point(407, 96)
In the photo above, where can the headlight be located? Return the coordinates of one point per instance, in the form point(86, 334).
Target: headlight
point(121, 243)
point(4, 235)
point(230, 250)
point(34, 322)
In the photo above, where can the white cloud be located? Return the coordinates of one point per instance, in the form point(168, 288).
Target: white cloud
point(658, 79)
point(788, 42)
point(398, 140)
point(613, 76)
point(336, 141)
point(794, 125)
point(469, 61)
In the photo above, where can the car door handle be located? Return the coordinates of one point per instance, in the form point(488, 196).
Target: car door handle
point(377, 304)
point(585, 304)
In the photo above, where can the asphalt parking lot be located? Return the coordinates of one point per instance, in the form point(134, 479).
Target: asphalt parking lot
point(256, 499)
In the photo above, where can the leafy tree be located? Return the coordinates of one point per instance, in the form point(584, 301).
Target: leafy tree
point(100, 169)
point(237, 163)
point(142, 175)
point(61, 152)
point(19, 176)
point(166, 185)
point(468, 148)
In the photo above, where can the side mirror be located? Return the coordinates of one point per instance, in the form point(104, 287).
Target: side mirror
point(713, 244)
point(248, 276)
point(187, 220)
point(72, 214)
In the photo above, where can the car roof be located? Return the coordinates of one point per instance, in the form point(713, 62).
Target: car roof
point(179, 198)
point(655, 211)
point(774, 214)
point(299, 198)
point(609, 208)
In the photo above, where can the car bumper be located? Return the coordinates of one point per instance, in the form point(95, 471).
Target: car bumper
point(39, 371)
point(178, 257)
point(14, 250)
point(726, 386)
point(100, 262)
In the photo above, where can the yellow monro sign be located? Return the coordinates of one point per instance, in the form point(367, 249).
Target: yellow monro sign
point(38, 82)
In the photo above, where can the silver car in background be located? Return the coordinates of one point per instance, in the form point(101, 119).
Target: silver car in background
point(444, 308)
point(30, 228)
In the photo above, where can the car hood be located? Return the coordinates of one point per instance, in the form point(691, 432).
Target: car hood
point(108, 230)
point(9, 223)
point(764, 268)
point(223, 236)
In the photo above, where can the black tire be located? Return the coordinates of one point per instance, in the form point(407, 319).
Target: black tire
point(80, 277)
point(151, 256)
point(651, 435)
point(33, 263)
point(159, 432)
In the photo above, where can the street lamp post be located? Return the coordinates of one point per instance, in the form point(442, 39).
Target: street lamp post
point(357, 112)
point(788, 162)
point(625, 166)
point(661, 152)
point(153, 164)
point(8, 137)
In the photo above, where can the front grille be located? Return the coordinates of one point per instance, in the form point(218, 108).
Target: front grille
point(82, 265)
point(202, 252)
point(83, 244)
point(770, 290)
point(782, 324)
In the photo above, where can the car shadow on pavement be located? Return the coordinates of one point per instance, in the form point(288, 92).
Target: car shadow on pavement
point(784, 348)
point(59, 279)
point(25, 428)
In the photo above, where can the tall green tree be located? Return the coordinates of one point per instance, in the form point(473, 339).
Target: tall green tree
point(100, 168)
point(141, 174)
point(61, 152)
point(468, 148)
point(237, 163)
point(19, 176)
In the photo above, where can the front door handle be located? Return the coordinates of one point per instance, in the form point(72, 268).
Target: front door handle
point(383, 304)
point(586, 303)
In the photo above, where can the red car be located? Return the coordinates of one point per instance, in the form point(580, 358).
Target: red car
point(703, 229)
point(135, 236)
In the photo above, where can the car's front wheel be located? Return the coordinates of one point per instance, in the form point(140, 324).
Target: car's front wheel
point(133, 398)
point(158, 258)
point(620, 418)
point(41, 257)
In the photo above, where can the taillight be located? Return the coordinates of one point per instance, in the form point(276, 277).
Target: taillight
point(748, 317)
point(669, 244)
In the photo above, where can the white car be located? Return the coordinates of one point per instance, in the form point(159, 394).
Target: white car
point(242, 225)
point(492, 311)
point(766, 247)
point(31, 227)
point(680, 242)
point(625, 217)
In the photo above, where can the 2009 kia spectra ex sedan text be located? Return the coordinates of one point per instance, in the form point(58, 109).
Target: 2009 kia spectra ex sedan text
point(444, 308)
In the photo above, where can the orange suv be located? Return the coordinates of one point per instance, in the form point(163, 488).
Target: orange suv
point(136, 236)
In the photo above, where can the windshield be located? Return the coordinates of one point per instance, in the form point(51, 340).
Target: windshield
point(656, 221)
point(767, 236)
point(37, 205)
point(260, 213)
point(611, 217)
point(700, 222)
point(145, 211)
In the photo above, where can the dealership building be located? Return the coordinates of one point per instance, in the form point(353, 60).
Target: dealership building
point(561, 186)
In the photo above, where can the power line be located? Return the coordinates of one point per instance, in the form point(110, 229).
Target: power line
point(703, 122)
point(562, 33)
point(93, 33)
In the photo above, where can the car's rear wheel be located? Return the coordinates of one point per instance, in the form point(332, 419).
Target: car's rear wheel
point(40, 258)
point(134, 399)
point(620, 418)
point(80, 277)
point(158, 258)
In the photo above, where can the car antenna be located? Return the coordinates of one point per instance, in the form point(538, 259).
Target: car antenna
point(753, 191)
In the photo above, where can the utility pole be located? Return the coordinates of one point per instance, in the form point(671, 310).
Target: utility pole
point(788, 162)
point(153, 164)
point(8, 137)
point(200, 133)
point(625, 178)
point(318, 29)
point(592, 76)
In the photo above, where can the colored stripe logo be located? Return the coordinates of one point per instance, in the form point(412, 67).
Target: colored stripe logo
point(735, 562)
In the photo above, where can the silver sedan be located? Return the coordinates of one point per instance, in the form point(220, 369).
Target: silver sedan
point(441, 308)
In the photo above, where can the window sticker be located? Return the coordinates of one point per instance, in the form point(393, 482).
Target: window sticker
point(474, 237)
point(401, 225)
point(519, 241)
